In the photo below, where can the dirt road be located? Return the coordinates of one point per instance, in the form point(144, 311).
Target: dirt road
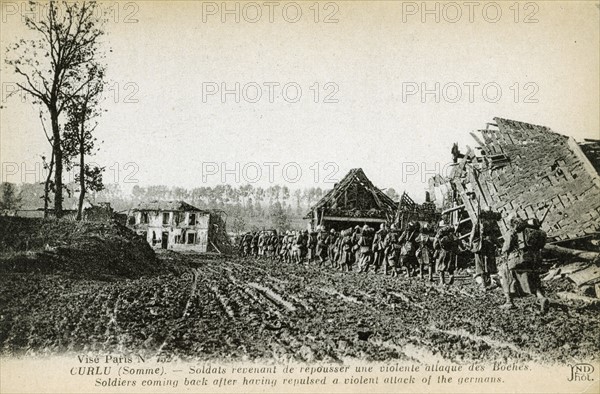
point(240, 309)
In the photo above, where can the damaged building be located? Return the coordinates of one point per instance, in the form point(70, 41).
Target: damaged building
point(410, 211)
point(353, 201)
point(179, 226)
point(527, 170)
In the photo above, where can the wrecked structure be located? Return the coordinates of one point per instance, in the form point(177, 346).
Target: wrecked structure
point(410, 211)
point(178, 225)
point(352, 201)
point(525, 170)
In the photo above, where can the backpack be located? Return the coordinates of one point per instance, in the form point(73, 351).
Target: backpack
point(447, 241)
point(534, 238)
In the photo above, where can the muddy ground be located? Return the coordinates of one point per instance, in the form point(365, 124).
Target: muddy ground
point(244, 309)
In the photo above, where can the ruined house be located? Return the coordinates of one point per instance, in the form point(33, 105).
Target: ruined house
point(528, 170)
point(352, 201)
point(174, 225)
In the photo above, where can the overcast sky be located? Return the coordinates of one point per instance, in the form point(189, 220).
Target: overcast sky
point(170, 65)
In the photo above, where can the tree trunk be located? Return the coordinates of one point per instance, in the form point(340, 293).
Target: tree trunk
point(81, 179)
point(47, 183)
point(58, 161)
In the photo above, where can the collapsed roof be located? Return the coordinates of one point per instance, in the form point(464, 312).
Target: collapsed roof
point(170, 206)
point(355, 197)
point(527, 170)
point(409, 210)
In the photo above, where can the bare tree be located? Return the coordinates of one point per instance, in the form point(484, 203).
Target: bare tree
point(78, 138)
point(54, 67)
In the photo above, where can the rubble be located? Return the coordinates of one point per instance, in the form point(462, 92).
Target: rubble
point(529, 171)
point(82, 249)
point(409, 211)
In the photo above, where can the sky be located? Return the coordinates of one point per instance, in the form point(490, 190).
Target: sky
point(315, 89)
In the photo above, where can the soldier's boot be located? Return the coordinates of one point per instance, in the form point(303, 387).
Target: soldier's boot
point(544, 302)
point(421, 271)
point(544, 305)
point(451, 279)
point(508, 304)
point(480, 280)
point(442, 279)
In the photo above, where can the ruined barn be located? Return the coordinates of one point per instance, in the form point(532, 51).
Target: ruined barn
point(352, 201)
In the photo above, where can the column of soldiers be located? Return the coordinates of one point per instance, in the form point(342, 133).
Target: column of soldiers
point(418, 250)
point(410, 252)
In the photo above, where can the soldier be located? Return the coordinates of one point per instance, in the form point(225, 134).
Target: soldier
point(346, 255)
point(311, 246)
point(290, 247)
point(355, 236)
point(297, 241)
point(392, 251)
point(446, 249)
point(240, 245)
point(247, 244)
point(278, 246)
point(378, 249)
point(261, 243)
point(255, 241)
point(521, 250)
point(272, 242)
point(482, 243)
point(322, 245)
point(303, 245)
point(408, 258)
point(365, 243)
point(425, 251)
point(284, 251)
point(332, 242)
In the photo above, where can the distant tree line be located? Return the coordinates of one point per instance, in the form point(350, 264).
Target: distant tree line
point(247, 207)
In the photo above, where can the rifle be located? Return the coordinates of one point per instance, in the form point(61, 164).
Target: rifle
point(546, 214)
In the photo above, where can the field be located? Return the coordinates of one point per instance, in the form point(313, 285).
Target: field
point(235, 309)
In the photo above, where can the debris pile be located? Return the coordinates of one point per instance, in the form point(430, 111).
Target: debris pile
point(529, 171)
point(87, 249)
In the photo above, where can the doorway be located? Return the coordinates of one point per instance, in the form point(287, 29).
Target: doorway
point(165, 240)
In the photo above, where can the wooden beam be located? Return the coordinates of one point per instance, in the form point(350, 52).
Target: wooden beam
point(587, 164)
point(352, 219)
point(453, 209)
point(573, 253)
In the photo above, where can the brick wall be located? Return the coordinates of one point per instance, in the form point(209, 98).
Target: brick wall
point(544, 169)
